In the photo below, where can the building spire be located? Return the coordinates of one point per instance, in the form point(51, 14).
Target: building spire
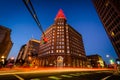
point(60, 14)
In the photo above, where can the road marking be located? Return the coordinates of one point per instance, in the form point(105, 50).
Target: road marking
point(35, 79)
point(106, 78)
point(18, 77)
point(54, 77)
point(66, 76)
point(74, 74)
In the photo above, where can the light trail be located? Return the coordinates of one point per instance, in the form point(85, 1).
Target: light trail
point(48, 70)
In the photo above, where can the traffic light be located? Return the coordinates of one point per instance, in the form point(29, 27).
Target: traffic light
point(45, 40)
point(111, 61)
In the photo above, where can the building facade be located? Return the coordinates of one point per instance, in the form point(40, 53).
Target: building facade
point(95, 61)
point(20, 59)
point(109, 14)
point(28, 52)
point(64, 47)
point(5, 43)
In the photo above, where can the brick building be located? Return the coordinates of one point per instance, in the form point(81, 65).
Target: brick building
point(64, 47)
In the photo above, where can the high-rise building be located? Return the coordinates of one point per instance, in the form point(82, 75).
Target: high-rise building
point(28, 52)
point(109, 14)
point(64, 46)
point(20, 59)
point(5, 43)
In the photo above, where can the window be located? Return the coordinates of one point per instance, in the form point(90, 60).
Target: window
point(62, 51)
point(59, 47)
point(67, 37)
point(68, 51)
point(62, 42)
point(52, 43)
point(67, 47)
point(63, 36)
point(51, 51)
point(53, 40)
point(52, 47)
point(62, 39)
point(56, 51)
point(62, 47)
point(57, 36)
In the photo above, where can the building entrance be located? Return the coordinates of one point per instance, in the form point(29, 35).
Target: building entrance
point(59, 61)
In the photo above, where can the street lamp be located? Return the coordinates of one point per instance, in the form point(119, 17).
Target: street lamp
point(2, 57)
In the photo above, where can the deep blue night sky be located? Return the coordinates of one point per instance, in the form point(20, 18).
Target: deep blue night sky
point(80, 14)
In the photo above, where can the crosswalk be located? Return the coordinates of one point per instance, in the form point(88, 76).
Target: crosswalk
point(60, 77)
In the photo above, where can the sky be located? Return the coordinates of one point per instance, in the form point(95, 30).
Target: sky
point(80, 14)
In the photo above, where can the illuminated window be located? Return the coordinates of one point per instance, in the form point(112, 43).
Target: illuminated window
point(52, 43)
point(62, 42)
point(56, 51)
point(107, 3)
point(62, 51)
point(51, 51)
point(62, 39)
point(58, 33)
point(58, 27)
point(68, 51)
point(62, 47)
point(67, 47)
point(53, 40)
point(59, 47)
point(58, 36)
point(52, 47)
point(53, 33)
point(53, 30)
point(58, 30)
point(67, 37)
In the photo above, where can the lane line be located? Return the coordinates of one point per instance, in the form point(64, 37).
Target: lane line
point(35, 79)
point(105, 78)
point(67, 76)
point(18, 77)
point(54, 77)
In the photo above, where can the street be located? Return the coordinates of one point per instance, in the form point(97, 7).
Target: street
point(62, 75)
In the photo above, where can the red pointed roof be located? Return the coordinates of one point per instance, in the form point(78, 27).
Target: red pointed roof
point(60, 14)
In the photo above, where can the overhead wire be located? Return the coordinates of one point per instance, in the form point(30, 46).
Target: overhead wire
point(33, 13)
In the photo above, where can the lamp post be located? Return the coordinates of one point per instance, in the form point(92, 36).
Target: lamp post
point(110, 60)
point(3, 60)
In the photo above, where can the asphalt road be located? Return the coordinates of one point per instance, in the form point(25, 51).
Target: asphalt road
point(82, 75)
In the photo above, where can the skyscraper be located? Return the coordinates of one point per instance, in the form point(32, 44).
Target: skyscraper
point(64, 47)
point(109, 14)
point(5, 43)
point(28, 52)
